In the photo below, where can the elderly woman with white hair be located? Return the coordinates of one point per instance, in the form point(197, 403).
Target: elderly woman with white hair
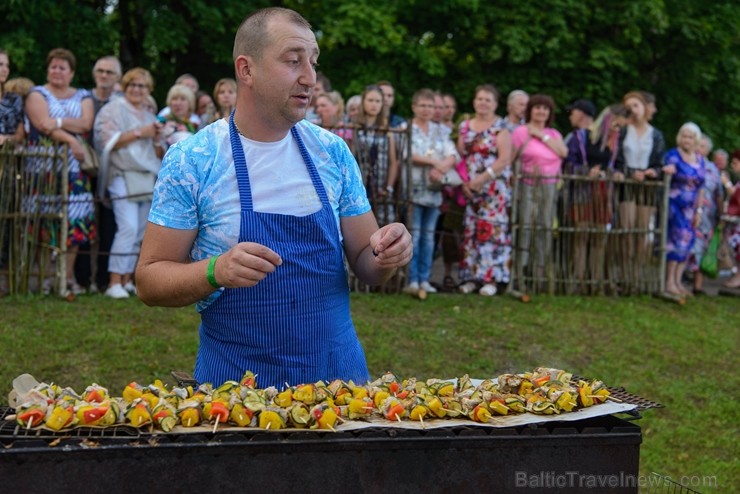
point(687, 168)
point(177, 124)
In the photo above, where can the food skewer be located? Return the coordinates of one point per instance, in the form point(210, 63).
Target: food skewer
point(543, 381)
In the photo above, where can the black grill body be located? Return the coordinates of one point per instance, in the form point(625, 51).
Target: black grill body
point(547, 458)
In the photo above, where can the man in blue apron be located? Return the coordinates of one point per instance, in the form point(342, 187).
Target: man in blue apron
point(252, 218)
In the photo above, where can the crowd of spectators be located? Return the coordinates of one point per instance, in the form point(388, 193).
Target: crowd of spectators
point(460, 179)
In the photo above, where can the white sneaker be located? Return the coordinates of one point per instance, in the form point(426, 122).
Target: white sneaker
point(74, 287)
point(116, 291)
point(427, 287)
point(93, 288)
point(488, 290)
point(130, 287)
point(412, 288)
point(467, 287)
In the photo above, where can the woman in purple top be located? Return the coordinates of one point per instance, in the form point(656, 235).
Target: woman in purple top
point(686, 165)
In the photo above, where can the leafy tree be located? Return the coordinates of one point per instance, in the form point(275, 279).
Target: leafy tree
point(683, 51)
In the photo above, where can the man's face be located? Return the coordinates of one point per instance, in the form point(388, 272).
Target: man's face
point(190, 83)
point(720, 160)
point(450, 108)
point(284, 76)
point(106, 74)
point(576, 118)
point(439, 109)
point(389, 95)
point(518, 107)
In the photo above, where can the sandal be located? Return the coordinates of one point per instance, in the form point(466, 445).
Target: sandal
point(488, 290)
point(467, 287)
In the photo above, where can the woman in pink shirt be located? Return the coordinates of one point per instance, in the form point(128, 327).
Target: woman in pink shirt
point(542, 151)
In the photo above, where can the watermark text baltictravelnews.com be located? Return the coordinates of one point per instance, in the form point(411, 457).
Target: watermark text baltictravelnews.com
point(576, 479)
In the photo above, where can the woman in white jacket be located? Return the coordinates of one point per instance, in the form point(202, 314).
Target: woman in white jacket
point(129, 135)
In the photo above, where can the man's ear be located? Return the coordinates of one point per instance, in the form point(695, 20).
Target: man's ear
point(244, 68)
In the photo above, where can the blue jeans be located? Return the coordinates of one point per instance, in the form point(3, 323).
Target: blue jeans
point(423, 223)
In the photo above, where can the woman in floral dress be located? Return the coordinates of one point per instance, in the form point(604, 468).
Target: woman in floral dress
point(485, 145)
point(687, 168)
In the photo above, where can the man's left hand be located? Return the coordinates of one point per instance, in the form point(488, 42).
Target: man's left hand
point(392, 246)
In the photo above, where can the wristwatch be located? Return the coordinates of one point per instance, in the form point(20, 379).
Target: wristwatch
point(137, 133)
point(545, 137)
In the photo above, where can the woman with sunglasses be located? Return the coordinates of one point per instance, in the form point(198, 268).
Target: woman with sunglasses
point(129, 135)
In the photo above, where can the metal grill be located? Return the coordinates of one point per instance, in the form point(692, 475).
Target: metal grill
point(623, 395)
point(12, 435)
point(451, 459)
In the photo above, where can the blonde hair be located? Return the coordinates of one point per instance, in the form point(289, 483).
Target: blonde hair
point(19, 85)
point(336, 99)
point(134, 73)
point(185, 92)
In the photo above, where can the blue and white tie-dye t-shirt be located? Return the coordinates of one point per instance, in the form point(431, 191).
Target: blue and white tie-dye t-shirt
point(197, 187)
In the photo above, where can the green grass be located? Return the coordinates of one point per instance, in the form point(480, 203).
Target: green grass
point(682, 356)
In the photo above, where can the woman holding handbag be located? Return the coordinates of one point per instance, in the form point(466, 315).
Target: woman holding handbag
point(129, 134)
point(433, 155)
point(485, 146)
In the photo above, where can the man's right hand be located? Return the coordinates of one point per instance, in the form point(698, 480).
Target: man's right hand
point(245, 265)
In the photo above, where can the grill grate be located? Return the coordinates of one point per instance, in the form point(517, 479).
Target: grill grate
point(12, 436)
point(621, 394)
point(10, 429)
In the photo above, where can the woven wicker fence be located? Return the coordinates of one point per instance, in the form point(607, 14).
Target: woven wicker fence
point(33, 212)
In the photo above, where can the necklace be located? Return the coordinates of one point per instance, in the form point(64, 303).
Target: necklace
point(238, 130)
